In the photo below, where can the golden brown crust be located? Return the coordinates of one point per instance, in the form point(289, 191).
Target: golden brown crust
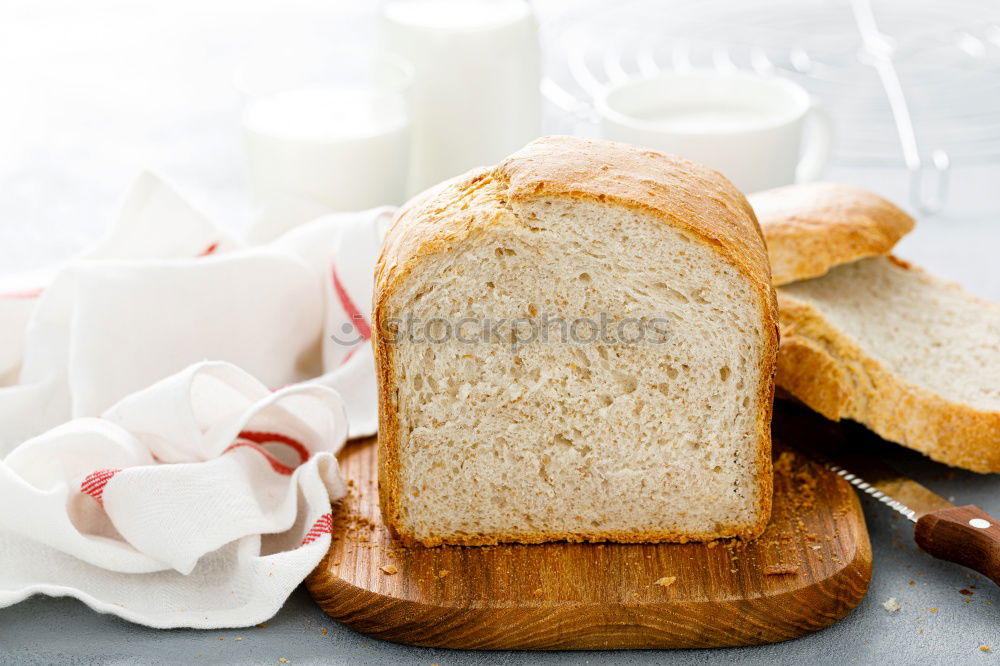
point(804, 367)
point(812, 228)
point(684, 194)
point(828, 371)
point(727, 532)
point(680, 193)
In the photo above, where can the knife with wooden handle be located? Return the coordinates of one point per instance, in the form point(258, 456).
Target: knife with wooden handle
point(966, 535)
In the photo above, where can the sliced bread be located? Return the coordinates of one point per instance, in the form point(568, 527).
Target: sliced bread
point(522, 433)
point(877, 340)
point(813, 227)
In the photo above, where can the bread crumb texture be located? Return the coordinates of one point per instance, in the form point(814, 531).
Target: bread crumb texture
point(891, 605)
point(666, 581)
point(556, 431)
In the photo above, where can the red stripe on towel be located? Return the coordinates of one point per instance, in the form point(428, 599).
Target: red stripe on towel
point(95, 482)
point(350, 308)
point(323, 525)
point(26, 294)
point(268, 437)
point(276, 464)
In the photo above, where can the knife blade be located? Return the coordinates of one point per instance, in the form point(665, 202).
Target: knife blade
point(966, 535)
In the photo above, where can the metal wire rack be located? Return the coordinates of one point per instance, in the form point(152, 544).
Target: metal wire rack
point(909, 83)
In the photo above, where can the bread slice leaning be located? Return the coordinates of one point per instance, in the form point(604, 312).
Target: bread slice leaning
point(544, 427)
point(813, 227)
point(877, 340)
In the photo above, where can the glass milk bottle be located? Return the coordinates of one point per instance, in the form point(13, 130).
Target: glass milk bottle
point(476, 90)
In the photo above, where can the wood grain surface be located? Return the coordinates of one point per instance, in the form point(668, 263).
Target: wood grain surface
point(966, 535)
point(809, 569)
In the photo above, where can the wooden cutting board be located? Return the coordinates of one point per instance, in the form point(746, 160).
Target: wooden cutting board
point(809, 569)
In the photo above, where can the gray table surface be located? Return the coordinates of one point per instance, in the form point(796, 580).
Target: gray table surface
point(97, 90)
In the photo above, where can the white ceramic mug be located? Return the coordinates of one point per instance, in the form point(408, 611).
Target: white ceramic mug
point(749, 127)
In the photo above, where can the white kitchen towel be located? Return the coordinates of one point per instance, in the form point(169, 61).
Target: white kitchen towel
point(103, 368)
point(345, 250)
point(201, 501)
point(166, 288)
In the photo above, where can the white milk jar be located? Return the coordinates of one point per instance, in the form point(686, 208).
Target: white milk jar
point(324, 134)
point(477, 72)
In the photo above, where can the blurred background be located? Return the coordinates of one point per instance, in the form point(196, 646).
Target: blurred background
point(96, 90)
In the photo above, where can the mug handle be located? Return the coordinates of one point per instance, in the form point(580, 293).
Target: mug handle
point(819, 145)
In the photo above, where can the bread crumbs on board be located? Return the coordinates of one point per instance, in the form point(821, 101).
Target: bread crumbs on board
point(389, 570)
point(666, 581)
point(780, 569)
point(891, 605)
point(783, 465)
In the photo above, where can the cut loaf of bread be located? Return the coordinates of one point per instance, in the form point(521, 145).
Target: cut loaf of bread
point(520, 439)
point(914, 358)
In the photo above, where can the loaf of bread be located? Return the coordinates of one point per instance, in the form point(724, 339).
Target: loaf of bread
point(577, 344)
point(877, 340)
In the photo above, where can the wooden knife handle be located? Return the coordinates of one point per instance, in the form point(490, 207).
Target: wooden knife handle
point(966, 535)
